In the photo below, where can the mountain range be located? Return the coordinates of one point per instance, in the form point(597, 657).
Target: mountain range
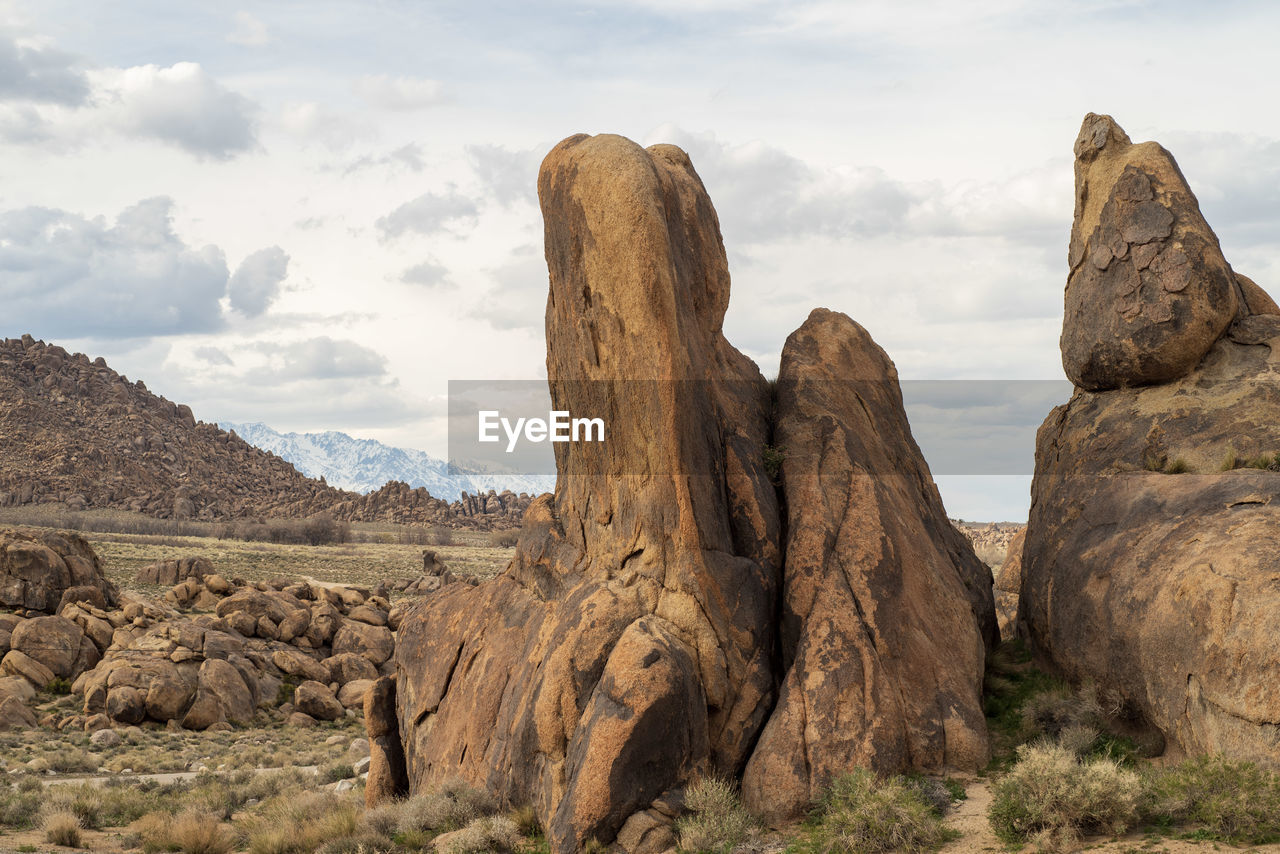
point(364, 465)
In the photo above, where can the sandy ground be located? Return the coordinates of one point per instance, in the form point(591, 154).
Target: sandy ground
point(970, 818)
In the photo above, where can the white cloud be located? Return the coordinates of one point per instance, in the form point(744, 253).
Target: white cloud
point(429, 213)
point(40, 74)
point(320, 358)
point(518, 299)
point(180, 105)
point(62, 275)
point(249, 31)
point(214, 356)
point(256, 282)
point(399, 93)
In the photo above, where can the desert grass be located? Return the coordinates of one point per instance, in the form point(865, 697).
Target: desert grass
point(717, 821)
point(1214, 798)
point(61, 828)
point(189, 832)
point(861, 813)
point(295, 823)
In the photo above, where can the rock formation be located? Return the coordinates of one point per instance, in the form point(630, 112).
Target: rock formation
point(886, 611)
point(1149, 291)
point(1008, 585)
point(37, 570)
point(632, 643)
point(1150, 563)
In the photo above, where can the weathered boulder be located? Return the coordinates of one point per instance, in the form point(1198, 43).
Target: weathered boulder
point(52, 641)
point(35, 570)
point(16, 663)
point(316, 700)
point(1149, 291)
point(348, 667)
point(14, 714)
point(387, 779)
point(170, 572)
point(375, 643)
point(886, 610)
point(1152, 556)
point(628, 646)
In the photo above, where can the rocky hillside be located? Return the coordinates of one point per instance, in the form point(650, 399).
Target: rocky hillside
point(365, 465)
point(75, 432)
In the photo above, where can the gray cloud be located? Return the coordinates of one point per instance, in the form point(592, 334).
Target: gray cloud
point(508, 175)
point(321, 358)
point(183, 105)
point(249, 31)
point(40, 74)
point(66, 276)
point(429, 213)
point(256, 282)
point(214, 356)
point(429, 274)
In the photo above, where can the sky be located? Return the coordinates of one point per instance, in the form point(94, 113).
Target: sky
point(316, 214)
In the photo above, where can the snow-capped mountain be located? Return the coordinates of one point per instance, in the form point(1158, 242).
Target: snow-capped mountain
point(363, 465)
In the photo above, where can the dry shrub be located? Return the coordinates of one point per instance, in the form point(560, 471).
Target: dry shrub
point(862, 814)
point(61, 828)
point(492, 833)
point(299, 823)
point(717, 823)
point(1050, 796)
point(504, 539)
point(1051, 712)
point(451, 807)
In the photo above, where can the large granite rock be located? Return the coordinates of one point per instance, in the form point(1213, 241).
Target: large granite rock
point(632, 643)
point(628, 646)
point(35, 570)
point(1152, 555)
point(886, 611)
point(1149, 291)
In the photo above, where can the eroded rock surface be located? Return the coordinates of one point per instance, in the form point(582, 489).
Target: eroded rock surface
point(886, 611)
point(1150, 563)
point(36, 570)
point(628, 646)
point(1149, 290)
point(631, 644)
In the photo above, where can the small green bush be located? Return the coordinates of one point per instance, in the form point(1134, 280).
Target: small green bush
point(861, 814)
point(1052, 795)
point(717, 822)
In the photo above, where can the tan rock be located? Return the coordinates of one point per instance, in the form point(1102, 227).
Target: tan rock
point(298, 664)
point(375, 643)
point(14, 714)
point(316, 700)
point(35, 571)
point(1008, 584)
point(351, 695)
point(347, 667)
point(387, 780)
point(1149, 291)
point(17, 663)
point(887, 612)
point(224, 682)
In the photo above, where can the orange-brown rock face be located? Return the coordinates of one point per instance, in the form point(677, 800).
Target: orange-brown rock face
point(628, 646)
point(886, 610)
point(1149, 291)
point(1150, 565)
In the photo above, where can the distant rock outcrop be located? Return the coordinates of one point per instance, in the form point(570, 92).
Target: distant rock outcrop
point(77, 434)
point(632, 643)
point(1153, 549)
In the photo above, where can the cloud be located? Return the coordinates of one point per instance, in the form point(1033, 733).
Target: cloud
point(66, 276)
point(321, 358)
point(428, 214)
point(256, 282)
point(214, 356)
point(429, 274)
point(310, 121)
point(181, 105)
point(399, 93)
point(519, 300)
point(406, 157)
point(508, 175)
point(40, 74)
point(249, 31)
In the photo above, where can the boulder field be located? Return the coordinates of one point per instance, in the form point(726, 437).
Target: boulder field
point(1151, 564)
point(680, 607)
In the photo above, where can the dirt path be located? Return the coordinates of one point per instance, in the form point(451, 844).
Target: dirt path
point(162, 779)
point(969, 817)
